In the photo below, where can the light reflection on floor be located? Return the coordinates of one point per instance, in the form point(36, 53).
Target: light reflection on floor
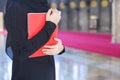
point(5, 62)
point(72, 65)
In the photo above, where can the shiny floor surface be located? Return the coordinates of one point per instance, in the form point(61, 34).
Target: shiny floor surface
point(72, 65)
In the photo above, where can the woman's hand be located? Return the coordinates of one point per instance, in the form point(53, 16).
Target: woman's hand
point(53, 15)
point(54, 49)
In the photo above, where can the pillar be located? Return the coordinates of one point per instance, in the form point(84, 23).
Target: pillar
point(116, 21)
point(1, 21)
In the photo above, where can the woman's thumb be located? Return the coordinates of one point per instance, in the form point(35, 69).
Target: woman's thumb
point(49, 12)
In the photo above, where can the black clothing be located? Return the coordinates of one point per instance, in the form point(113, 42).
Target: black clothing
point(17, 38)
point(16, 24)
point(40, 68)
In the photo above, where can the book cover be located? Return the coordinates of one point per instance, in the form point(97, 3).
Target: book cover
point(36, 22)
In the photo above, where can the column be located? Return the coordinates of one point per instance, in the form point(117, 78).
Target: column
point(1, 21)
point(116, 21)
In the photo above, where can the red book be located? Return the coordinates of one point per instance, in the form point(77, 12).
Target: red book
point(36, 22)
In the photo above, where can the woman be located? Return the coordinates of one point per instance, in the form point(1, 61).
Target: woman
point(25, 68)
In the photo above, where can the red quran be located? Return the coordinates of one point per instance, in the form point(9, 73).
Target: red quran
point(36, 22)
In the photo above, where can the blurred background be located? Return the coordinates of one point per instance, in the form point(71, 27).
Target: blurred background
point(90, 31)
point(84, 15)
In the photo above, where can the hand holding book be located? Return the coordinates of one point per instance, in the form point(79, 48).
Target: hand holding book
point(53, 15)
point(53, 49)
point(36, 22)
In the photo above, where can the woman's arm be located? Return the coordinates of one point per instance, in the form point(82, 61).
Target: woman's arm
point(15, 22)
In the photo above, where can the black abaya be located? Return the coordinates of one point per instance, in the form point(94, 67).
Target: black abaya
point(24, 68)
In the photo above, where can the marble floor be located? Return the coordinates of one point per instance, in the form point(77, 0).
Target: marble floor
point(72, 65)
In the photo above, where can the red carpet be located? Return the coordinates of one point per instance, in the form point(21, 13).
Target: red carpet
point(93, 42)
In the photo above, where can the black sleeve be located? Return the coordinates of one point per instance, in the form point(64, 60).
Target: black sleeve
point(38, 41)
point(24, 47)
point(17, 31)
point(16, 25)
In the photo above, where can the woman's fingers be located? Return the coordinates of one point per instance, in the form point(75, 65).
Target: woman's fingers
point(57, 40)
point(49, 47)
point(49, 12)
point(55, 17)
point(54, 49)
point(59, 12)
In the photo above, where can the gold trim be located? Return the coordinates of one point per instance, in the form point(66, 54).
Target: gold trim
point(72, 4)
point(104, 3)
point(93, 3)
point(53, 5)
point(62, 5)
point(82, 4)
